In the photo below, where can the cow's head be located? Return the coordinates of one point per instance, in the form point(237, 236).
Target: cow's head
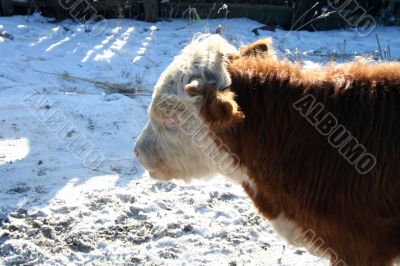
point(190, 100)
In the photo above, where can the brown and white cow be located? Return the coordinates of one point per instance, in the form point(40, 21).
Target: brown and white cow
point(318, 151)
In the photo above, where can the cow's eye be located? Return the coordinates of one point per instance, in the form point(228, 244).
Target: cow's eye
point(171, 122)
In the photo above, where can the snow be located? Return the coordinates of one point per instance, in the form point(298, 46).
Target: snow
point(71, 191)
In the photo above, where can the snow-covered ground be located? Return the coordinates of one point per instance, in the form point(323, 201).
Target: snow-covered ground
point(59, 205)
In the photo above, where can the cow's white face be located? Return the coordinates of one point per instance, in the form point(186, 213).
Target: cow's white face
point(190, 103)
point(173, 143)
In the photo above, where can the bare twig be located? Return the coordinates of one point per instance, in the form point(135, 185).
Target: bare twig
point(344, 46)
point(224, 7)
point(379, 45)
point(290, 57)
point(211, 10)
point(323, 15)
point(389, 52)
point(116, 88)
point(301, 17)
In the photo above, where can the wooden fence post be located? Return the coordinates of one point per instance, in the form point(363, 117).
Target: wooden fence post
point(55, 10)
point(7, 7)
point(150, 10)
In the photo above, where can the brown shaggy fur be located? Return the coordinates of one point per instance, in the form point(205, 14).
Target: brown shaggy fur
point(294, 168)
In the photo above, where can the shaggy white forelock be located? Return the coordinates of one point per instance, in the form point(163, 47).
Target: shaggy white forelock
point(203, 58)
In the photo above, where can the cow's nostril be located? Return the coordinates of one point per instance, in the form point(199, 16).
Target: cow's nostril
point(136, 152)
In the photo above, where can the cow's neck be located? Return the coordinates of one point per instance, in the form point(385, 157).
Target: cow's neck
point(267, 139)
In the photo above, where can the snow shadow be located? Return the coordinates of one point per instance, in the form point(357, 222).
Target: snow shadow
point(36, 161)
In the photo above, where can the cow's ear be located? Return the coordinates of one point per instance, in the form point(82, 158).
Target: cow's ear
point(195, 88)
point(263, 46)
point(220, 109)
point(212, 73)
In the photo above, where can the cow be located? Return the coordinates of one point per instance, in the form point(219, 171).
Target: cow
point(317, 150)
